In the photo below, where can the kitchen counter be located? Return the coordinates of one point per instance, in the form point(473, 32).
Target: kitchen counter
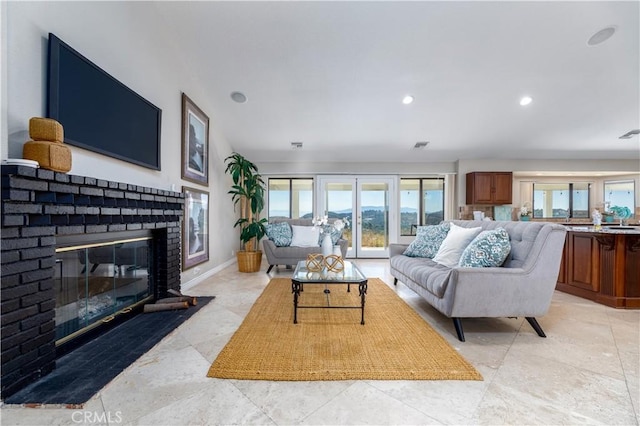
point(605, 229)
point(602, 265)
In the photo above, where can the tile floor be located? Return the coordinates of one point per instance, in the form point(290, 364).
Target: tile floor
point(585, 372)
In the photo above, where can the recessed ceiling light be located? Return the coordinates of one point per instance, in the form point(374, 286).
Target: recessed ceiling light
point(526, 100)
point(239, 97)
point(407, 99)
point(601, 36)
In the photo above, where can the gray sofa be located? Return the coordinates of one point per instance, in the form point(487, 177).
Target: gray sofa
point(289, 256)
point(523, 286)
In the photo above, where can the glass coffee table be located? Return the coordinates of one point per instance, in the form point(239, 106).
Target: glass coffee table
point(350, 275)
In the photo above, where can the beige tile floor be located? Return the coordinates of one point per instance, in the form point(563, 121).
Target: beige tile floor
point(585, 372)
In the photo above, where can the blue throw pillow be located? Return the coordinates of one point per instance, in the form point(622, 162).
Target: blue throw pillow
point(335, 236)
point(489, 248)
point(428, 240)
point(280, 233)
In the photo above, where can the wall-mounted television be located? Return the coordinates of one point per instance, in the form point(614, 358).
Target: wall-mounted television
point(98, 112)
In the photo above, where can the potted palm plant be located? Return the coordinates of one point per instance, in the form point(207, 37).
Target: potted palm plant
point(247, 193)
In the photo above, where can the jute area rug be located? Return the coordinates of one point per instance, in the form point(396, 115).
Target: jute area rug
point(330, 344)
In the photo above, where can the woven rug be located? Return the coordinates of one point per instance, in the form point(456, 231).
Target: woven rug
point(330, 344)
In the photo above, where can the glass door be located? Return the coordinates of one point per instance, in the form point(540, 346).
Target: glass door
point(366, 202)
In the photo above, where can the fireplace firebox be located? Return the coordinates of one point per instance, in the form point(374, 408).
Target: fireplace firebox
point(77, 252)
point(98, 279)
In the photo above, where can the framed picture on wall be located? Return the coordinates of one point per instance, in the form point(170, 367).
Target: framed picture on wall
point(195, 143)
point(195, 235)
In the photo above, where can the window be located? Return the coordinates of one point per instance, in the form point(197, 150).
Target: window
point(421, 203)
point(620, 194)
point(561, 200)
point(291, 198)
point(580, 200)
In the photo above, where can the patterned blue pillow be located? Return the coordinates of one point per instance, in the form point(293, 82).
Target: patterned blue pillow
point(335, 236)
point(489, 248)
point(280, 233)
point(428, 240)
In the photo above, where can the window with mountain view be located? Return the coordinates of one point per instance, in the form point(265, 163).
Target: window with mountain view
point(561, 200)
point(620, 194)
point(421, 203)
point(290, 197)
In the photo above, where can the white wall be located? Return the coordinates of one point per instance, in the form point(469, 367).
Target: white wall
point(131, 42)
point(344, 167)
point(3, 79)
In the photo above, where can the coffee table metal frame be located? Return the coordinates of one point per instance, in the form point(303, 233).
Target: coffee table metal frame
point(349, 275)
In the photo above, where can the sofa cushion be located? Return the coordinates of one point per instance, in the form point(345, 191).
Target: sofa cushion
point(280, 233)
point(428, 240)
point(305, 236)
point(489, 248)
point(429, 274)
point(454, 244)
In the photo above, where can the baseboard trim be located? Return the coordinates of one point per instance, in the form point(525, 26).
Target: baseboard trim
point(197, 280)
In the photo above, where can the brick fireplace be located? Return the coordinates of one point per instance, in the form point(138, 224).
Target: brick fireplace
point(40, 207)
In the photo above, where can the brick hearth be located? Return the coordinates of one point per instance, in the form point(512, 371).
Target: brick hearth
point(37, 206)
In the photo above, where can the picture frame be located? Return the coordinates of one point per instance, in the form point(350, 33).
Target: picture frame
point(195, 143)
point(195, 235)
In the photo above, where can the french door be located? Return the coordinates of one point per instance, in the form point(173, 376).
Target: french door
point(368, 203)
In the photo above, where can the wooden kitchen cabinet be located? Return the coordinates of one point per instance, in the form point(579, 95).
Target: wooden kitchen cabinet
point(582, 261)
point(489, 187)
point(603, 267)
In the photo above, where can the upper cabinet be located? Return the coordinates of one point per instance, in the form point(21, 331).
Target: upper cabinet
point(489, 187)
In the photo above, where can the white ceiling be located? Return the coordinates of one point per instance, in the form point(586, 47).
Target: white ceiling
point(332, 75)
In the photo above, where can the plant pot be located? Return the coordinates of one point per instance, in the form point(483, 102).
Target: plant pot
point(524, 218)
point(249, 261)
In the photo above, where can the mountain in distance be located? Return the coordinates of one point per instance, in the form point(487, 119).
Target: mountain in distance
point(380, 208)
point(408, 210)
point(375, 208)
point(279, 213)
point(285, 213)
point(364, 208)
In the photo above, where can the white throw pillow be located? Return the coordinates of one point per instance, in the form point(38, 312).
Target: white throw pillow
point(305, 236)
point(454, 244)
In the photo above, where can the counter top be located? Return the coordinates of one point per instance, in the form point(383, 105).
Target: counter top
point(583, 222)
point(634, 230)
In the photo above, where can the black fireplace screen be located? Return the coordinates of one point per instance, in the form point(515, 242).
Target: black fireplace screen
point(96, 282)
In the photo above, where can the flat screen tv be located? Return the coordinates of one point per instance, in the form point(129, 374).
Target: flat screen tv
point(98, 112)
